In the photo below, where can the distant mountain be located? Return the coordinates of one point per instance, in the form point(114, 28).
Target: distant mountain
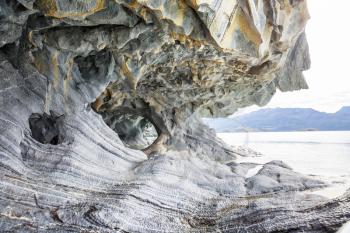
point(284, 119)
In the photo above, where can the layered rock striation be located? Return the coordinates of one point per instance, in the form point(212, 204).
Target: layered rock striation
point(82, 84)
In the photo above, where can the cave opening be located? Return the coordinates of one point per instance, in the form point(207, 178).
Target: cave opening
point(135, 131)
point(47, 128)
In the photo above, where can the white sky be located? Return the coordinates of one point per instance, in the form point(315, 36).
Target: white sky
point(328, 34)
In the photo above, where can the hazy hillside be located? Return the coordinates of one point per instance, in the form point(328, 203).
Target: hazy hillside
point(284, 119)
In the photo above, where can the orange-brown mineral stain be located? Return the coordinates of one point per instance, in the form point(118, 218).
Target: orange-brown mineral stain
point(49, 7)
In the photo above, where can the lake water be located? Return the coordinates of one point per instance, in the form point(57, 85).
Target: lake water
point(322, 153)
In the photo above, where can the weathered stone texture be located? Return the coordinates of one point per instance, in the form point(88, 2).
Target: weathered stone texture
point(68, 67)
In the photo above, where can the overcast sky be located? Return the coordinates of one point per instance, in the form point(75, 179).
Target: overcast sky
point(328, 34)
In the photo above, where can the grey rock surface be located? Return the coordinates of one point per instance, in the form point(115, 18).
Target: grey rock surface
point(276, 176)
point(170, 62)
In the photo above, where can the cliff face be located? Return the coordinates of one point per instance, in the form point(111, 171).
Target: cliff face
point(76, 74)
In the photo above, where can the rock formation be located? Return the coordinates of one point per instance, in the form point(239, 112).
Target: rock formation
point(83, 82)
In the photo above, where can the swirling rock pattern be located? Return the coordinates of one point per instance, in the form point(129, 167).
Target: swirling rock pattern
point(169, 61)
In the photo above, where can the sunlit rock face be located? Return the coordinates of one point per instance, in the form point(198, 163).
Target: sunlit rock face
point(85, 83)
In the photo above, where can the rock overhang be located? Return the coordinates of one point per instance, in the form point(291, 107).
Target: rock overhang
point(176, 58)
point(87, 61)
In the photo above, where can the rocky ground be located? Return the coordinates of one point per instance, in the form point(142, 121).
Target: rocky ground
point(75, 74)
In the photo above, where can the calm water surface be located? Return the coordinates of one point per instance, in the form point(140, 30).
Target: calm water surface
point(323, 153)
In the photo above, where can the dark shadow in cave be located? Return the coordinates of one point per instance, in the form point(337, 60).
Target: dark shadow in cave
point(47, 129)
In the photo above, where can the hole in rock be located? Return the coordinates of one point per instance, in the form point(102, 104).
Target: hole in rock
point(136, 132)
point(47, 129)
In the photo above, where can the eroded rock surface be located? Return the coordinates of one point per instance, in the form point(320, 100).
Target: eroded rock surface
point(98, 62)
